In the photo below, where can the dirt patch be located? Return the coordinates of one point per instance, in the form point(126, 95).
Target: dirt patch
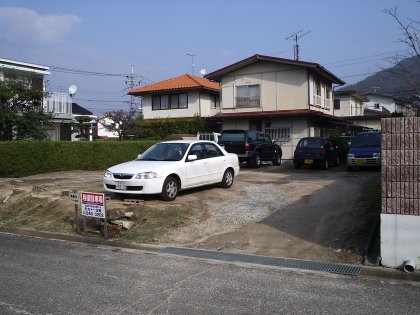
point(273, 211)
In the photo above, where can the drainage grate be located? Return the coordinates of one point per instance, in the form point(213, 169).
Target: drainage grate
point(350, 270)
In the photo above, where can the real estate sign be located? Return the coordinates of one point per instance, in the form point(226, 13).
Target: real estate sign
point(93, 204)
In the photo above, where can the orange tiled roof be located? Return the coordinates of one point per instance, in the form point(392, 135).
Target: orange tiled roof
point(183, 82)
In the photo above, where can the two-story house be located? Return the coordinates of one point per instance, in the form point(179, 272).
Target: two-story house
point(182, 96)
point(30, 73)
point(288, 99)
point(58, 104)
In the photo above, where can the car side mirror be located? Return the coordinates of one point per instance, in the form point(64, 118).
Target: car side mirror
point(192, 157)
point(139, 156)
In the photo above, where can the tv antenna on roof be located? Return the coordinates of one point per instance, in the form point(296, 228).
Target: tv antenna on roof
point(295, 37)
point(192, 61)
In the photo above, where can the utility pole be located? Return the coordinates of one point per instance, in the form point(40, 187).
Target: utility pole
point(295, 37)
point(131, 83)
point(192, 61)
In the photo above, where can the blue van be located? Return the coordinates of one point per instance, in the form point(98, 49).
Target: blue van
point(365, 151)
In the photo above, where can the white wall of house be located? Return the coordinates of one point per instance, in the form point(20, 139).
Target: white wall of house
point(200, 103)
point(376, 102)
point(349, 106)
point(287, 132)
point(400, 239)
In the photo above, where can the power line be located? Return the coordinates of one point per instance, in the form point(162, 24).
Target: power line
point(100, 101)
point(83, 72)
point(360, 58)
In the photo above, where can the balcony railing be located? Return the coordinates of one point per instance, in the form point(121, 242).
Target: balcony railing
point(327, 103)
point(317, 100)
point(247, 101)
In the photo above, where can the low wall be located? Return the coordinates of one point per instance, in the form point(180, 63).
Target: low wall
point(400, 217)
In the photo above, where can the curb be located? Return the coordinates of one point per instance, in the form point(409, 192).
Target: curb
point(367, 271)
point(86, 239)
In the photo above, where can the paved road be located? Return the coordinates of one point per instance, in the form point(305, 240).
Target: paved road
point(39, 276)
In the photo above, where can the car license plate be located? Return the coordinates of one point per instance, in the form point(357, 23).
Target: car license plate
point(360, 162)
point(308, 161)
point(120, 186)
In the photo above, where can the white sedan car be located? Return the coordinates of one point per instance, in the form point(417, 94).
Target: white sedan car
point(171, 166)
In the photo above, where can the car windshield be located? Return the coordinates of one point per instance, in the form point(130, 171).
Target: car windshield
point(232, 136)
point(311, 143)
point(364, 140)
point(164, 152)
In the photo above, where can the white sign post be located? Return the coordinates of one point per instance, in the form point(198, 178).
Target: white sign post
point(93, 205)
point(75, 199)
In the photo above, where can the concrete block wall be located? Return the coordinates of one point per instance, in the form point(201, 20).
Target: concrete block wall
point(400, 215)
point(401, 166)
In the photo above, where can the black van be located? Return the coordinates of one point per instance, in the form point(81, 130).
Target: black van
point(316, 151)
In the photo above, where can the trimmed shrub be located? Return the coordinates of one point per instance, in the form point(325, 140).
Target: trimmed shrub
point(24, 158)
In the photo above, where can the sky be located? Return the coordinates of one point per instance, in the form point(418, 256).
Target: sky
point(96, 44)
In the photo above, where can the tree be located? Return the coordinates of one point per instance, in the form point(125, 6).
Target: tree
point(411, 39)
point(411, 35)
point(84, 127)
point(21, 112)
point(120, 121)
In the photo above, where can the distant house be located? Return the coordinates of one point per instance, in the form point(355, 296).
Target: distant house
point(60, 106)
point(349, 103)
point(63, 125)
point(103, 132)
point(29, 73)
point(377, 102)
point(288, 99)
point(367, 110)
point(182, 96)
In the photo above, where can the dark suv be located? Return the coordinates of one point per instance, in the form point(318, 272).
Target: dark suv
point(252, 147)
point(316, 151)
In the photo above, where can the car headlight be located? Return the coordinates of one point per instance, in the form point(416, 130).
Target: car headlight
point(350, 155)
point(108, 174)
point(146, 175)
point(378, 154)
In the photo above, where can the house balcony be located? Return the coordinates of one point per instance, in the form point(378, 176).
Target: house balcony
point(317, 100)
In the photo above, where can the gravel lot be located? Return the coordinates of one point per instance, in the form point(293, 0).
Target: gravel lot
point(273, 211)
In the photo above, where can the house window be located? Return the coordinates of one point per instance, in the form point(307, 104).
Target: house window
point(183, 100)
point(172, 101)
point(337, 104)
point(279, 134)
point(248, 96)
point(214, 102)
point(155, 102)
point(376, 106)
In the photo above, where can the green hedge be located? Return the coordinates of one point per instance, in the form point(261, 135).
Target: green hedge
point(26, 158)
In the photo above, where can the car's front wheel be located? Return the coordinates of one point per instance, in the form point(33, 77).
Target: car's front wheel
point(227, 180)
point(170, 189)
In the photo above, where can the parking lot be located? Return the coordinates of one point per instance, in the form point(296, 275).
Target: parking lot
point(274, 211)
